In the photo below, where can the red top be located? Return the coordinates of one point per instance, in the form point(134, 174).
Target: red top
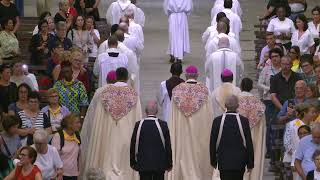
point(30, 176)
point(73, 12)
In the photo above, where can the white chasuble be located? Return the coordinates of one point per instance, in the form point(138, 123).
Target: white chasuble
point(117, 9)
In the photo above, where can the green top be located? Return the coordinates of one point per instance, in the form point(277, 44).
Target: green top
point(8, 44)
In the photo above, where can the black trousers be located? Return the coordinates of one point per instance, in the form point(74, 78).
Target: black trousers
point(70, 178)
point(151, 175)
point(231, 175)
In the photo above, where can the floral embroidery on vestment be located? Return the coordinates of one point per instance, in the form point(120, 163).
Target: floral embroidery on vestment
point(251, 108)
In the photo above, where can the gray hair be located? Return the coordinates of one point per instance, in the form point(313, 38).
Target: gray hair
point(232, 103)
point(63, 2)
point(40, 135)
point(224, 42)
point(95, 174)
point(152, 107)
point(60, 25)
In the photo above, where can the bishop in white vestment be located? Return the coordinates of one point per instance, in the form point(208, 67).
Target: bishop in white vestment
point(117, 9)
point(177, 11)
point(189, 126)
point(226, 89)
point(223, 58)
point(107, 129)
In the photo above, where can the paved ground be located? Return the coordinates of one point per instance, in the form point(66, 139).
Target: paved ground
point(154, 62)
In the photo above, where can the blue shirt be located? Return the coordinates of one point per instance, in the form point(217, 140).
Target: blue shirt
point(305, 152)
point(283, 110)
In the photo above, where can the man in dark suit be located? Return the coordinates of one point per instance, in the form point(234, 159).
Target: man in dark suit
point(231, 147)
point(150, 149)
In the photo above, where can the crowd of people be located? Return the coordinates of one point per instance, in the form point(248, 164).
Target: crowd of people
point(83, 122)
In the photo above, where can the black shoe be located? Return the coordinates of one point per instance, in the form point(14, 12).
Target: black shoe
point(172, 59)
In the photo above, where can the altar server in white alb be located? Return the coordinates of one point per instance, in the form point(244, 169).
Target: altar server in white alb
point(117, 9)
point(219, 6)
point(139, 17)
point(177, 11)
point(223, 58)
point(212, 29)
point(134, 28)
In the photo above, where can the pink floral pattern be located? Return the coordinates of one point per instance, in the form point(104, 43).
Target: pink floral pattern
point(251, 108)
point(119, 100)
point(189, 98)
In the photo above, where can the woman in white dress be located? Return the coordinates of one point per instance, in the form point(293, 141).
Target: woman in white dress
point(302, 37)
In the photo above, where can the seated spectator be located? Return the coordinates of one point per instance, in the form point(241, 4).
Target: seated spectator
point(61, 33)
point(72, 93)
point(315, 174)
point(22, 102)
point(18, 76)
point(67, 142)
point(48, 159)
point(55, 59)
point(297, 7)
point(314, 25)
point(306, 114)
point(32, 119)
point(63, 14)
point(43, 16)
point(312, 91)
point(282, 28)
point(9, 10)
point(307, 146)
point(31, 76)
point(9, 144)
point(9, 44)
point(294, 53)
point(95, 174)
point(88, 8)
point(39, 44)
point(306, 65)
point(27, 158)
point(302, 37)
point(8, 90)
point(54, 110)
point(80, 37)
point(94, 38)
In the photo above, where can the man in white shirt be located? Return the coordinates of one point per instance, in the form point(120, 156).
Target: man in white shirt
point(134, 28)
point(139, 15)
point(117, 9)
point(48, 159)
point(177, 11)
point(131, 41)
point(223, 58)
point(212, 44)
point(109, 61)
point(235, 21)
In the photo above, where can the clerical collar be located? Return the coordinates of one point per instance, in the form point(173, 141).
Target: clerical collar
point(112, 50)
point(191, 81)
point(224, 49)
point(153, 116)
point(120, 84)
point(227, 11)
point(245, 93)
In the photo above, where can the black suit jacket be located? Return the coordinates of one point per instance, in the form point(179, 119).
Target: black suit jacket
point(152, 156)
point(231, 153)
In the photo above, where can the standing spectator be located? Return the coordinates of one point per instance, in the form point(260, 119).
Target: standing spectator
point(88, 7)
point(282, 28)
point(8, 90)
point(314, 25)
point(294, 53)
point(297, 7)
point(9, 44)
point(9, 10)
point(61, 35)
point(32, 119)
point(302, 37)
point(72, 93)
point(48, 159)
point(63, 14)
point(80, 37)
point(150, 149)
point(45, 16)
point(67, 142)
point(306, 65)
point(306, 148)
point(272, 9)
point(271, 43)
point(27, 158)
point(39, 44)
point(22, 102)
point(315, 174)
point(9, 144)
point(55, 59)
point(18, 76)
point(94, 38)
point(231, 148)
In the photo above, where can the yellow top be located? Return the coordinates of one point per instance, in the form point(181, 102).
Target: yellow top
point(295, 65)
point(67, 137)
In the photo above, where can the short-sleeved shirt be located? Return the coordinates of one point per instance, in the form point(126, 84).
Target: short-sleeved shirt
point(277, 27)
point(73, 96)
point(30, 176)
point(284, 89)
point(283, 111)
point(11, 11)
point(304, 153)
point(278, 3)
point(305, 42)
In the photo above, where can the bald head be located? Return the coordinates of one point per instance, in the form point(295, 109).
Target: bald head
point(232, 103)
point(152, 108)
point(124, 27)
point(120, 35)
point(222, 27)
point(223, 43)
point(300, 89)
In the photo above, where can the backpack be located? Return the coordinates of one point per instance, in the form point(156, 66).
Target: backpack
point(62, 138)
